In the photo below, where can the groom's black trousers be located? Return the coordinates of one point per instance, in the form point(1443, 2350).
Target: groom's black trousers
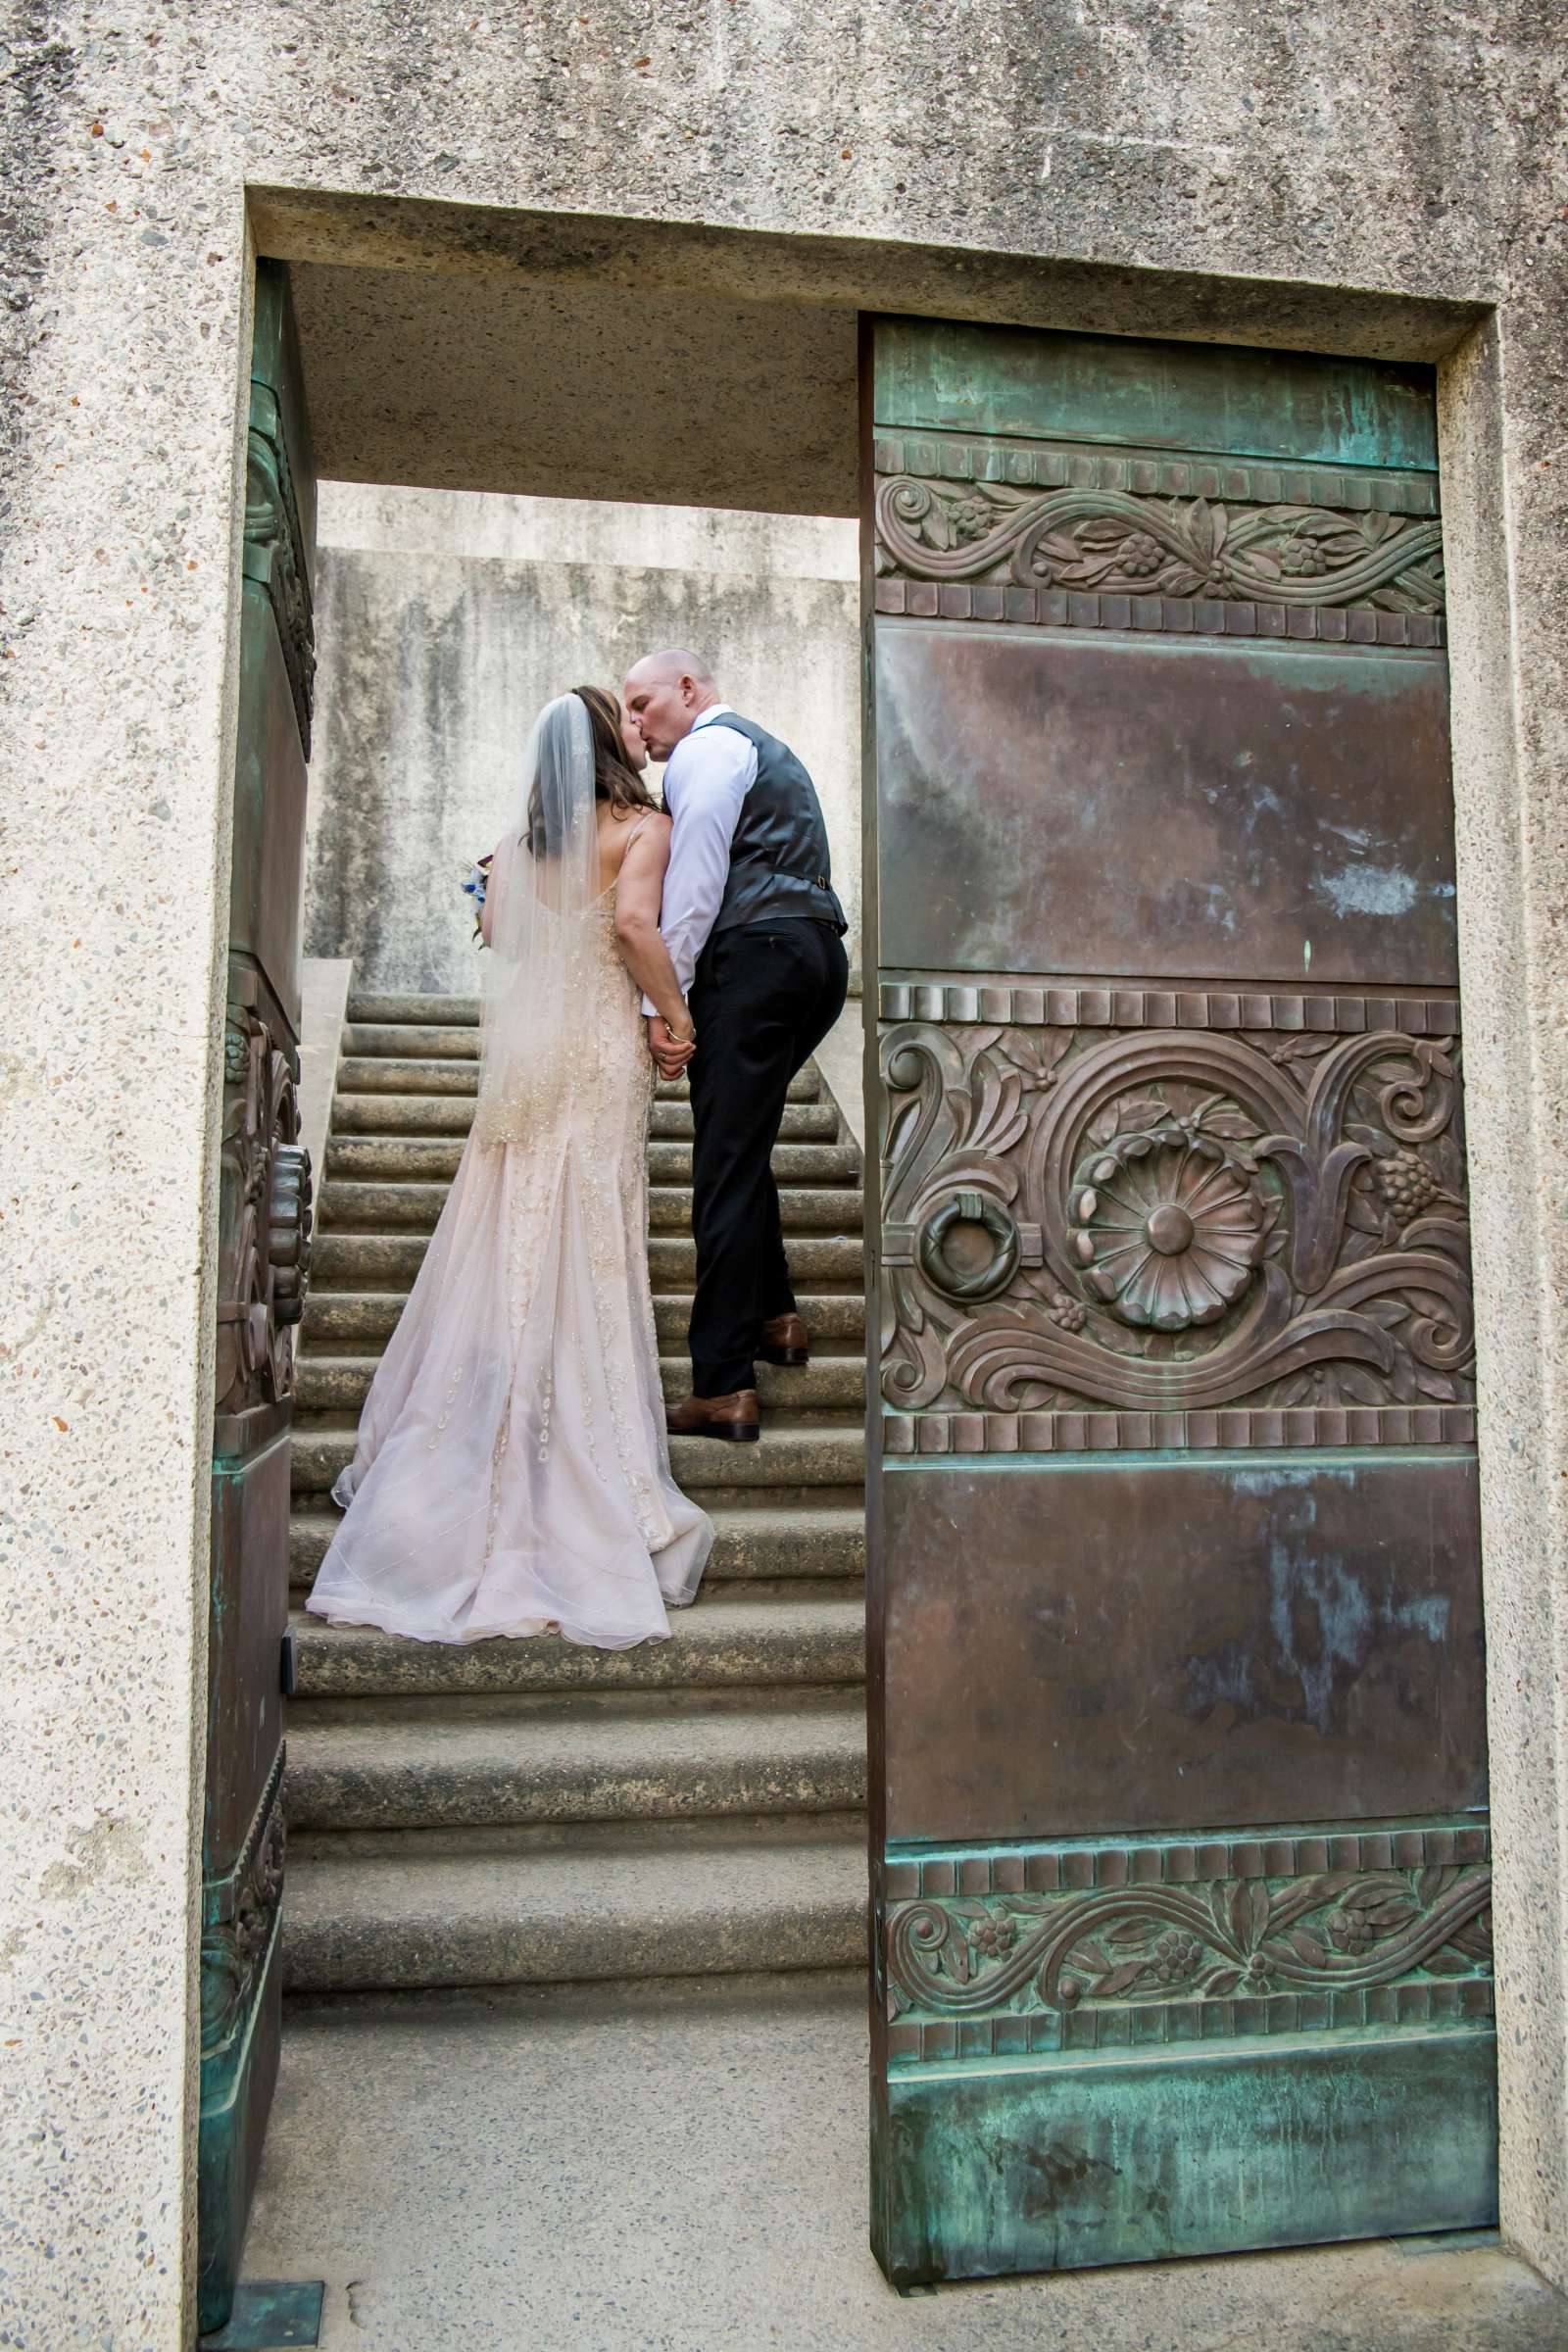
point(764, 994)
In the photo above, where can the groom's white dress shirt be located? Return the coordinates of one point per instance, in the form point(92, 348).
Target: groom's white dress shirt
point(706, 779)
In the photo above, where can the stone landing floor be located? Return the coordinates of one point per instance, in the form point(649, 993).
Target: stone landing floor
point(685, 2172)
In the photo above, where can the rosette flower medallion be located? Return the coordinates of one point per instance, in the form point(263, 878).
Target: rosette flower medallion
point(1168, 1228)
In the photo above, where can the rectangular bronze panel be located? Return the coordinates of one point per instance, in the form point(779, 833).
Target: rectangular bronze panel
point(268, 857)
point(1127, 2160)
point(1082, 1646)
point(1147, 807)
point(1023, 1157)
point(249, 1613)
point(1295, 406)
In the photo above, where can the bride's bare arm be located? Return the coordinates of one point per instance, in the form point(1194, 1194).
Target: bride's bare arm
point(639, 891)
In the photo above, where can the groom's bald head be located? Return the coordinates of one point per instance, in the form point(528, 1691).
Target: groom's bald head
point(665, 692)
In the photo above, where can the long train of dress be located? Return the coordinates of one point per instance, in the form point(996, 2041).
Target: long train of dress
point(511, 1474)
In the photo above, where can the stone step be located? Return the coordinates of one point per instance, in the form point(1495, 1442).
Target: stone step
point(361, 1322)
point(715, 1645)
point(355, 1207)
point(478, 1763)
point(453, 1114)
point(389, 1261)
point(796, 1535)
point(788, 1455)
point(340, 1384)
point(450, 1013)
point(387, 1074)
point(370, 1074)
point(686, 1904)
point(412, 1040)
point(429, 1158)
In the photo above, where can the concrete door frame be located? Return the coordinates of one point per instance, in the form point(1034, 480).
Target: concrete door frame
point(1504, 734)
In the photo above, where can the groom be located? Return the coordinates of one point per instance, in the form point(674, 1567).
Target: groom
point(755, 935)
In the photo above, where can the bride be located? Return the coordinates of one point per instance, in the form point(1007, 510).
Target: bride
point(513, 1472)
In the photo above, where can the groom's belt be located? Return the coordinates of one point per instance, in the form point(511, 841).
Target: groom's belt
point(769, 859)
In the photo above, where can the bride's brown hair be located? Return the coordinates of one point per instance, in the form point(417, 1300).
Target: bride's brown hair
point(613, 780)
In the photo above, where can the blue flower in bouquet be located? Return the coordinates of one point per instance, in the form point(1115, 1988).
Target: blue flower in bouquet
point(476, 885)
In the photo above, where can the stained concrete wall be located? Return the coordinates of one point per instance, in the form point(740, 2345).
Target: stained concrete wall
point(445, 619)
point(1325, 178)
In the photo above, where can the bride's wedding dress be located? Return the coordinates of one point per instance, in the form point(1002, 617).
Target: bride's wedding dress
point(513, 1472)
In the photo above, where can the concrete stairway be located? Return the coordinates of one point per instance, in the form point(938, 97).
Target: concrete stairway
point(531, 1812)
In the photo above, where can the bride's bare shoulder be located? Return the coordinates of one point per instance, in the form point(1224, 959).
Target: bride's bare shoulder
point(650, 826)
point(638, 834)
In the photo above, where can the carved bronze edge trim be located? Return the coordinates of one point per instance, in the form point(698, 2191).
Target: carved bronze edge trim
point(1156, 616)
point(1175, 1858)
point(1165, 473)
point(274, 552)
point(220, 1896)
point(1050, 1951)
point(1241, 1427)
point(240, 1912)
point(1180, 2024)
point(1026, 1005)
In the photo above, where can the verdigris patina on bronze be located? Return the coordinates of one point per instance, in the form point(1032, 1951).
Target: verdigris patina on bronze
point(263, 1249)
point(1180, 1876)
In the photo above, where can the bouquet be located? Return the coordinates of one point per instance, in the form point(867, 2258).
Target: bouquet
point(476, 885)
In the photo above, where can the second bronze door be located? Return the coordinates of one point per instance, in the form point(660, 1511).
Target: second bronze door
point(1180, 1848)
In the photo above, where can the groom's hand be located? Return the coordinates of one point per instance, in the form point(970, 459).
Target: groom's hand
point(671, 1054)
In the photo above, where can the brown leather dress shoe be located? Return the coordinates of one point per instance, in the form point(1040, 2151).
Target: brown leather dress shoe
point(785, 1341)
point(733, 1417)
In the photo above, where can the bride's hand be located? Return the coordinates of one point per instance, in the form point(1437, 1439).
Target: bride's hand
point(671, 1049)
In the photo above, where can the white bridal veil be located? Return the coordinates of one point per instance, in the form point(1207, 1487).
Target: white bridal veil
point(537, 1010)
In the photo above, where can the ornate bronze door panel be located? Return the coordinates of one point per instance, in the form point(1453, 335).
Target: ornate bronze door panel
point(1179, 1846)
point(264, 1248)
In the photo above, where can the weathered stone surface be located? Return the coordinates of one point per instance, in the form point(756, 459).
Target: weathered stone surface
point(788, 1455)
point(395, 1764)
point(438, 1114)
point(338, 1384)
point(397, 2170)
point(623, 1907)
point(822, 1536)
point(445, 621)
point(336, 1319)
point(390, 1261)
point(716, 1643)
point(323, 993)
point(386, 1158)
point(374, 1207)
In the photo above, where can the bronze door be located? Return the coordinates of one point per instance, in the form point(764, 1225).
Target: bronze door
point(1178, 1754)
point(264, 1251)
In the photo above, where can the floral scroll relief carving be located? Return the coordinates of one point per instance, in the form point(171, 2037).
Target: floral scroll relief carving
point(1117, 542)
point(1338, 1930)
point(1207, 1219)
point(275, 545)
point(1169, 1228)
point(264, 1219)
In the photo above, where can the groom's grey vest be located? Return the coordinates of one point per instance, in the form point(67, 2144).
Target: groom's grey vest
point(778, 859)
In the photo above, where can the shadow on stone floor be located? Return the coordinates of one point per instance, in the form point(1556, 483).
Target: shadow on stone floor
point(684, 2171)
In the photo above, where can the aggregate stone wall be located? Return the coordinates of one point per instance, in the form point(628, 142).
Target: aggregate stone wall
point(445, 619)
point(1204, 167)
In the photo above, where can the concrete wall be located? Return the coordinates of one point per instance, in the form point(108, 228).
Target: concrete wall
point(1322, 177)
point(444, 618)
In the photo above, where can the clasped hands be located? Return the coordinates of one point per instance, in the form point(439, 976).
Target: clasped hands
point(672, 1051)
